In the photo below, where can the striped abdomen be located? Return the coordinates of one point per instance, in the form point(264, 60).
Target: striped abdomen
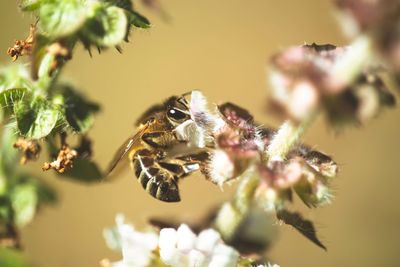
point(155, 179)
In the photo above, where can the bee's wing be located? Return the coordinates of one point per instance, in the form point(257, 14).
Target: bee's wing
point(124, 149)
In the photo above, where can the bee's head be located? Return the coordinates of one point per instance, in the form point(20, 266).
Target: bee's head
point(194, 122)
point(177, 110)
point(186, 115)
point(174, 111)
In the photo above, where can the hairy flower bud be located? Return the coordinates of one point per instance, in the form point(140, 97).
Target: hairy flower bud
point(379, 21)
point(329, 78)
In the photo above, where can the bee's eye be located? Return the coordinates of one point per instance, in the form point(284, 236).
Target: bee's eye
point(176, 115)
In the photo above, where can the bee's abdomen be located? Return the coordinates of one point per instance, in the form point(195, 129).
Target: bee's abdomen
point(157, 181)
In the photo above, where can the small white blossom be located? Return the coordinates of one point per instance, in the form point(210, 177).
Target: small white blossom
point(197, 131)
point(136, 247)
point(182, 248)
point(177, 248)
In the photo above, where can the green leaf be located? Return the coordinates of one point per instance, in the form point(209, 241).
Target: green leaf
point(25, 116)
point(29, 5)
point(304, 226)
point(134, 18)
point(45, 192)
point(125, 4)
point(24, 201)
point(108, 27)
point(62, 18)
point(84, 170)
point(3, 184)
point(79, 112)
point(15, 76)
point(5, 210)
point(46, 64)
point(35, 119)
point(138, 20)
point(11, 258)
point(10, 96)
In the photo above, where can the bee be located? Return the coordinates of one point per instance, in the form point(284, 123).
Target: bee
point(158, 152)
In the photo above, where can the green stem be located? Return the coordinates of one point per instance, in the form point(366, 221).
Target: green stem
point(232, 214)
point(287, 136)
point(352, 64)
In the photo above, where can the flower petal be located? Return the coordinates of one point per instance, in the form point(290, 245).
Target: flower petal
point(207, 240)
point(186, 238)
point(224, 256)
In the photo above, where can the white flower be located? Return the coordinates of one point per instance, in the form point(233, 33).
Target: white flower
point(196, 131)
point(182, 248)
point(136, 247)
point(177, 248)
point(210, 121)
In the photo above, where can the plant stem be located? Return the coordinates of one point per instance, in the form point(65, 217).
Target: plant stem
point(288, 135)
point(232, 214)
point(352, 64)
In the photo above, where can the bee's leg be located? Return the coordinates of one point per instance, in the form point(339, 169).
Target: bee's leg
point(180, 168)
point(160, 139)
point(201, 159)
point(202, 156)
point(185, 165)
point(157, 181)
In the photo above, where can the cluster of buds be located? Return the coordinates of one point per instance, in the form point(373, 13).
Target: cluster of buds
point(30, 149)
point(238, 143)
point(59, 51)
point(304, 171)
point(65, 157)
point(309, 78)
point(239, 148)
point(23, 47)
point(270, 164)
point(64, 160)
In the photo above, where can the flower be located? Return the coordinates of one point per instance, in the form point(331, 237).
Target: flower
point(337, 80)
point(238, 143)
point(136, 247)
point(177, 248)
point(306, 171)
point(379, 20)
point(181, 248)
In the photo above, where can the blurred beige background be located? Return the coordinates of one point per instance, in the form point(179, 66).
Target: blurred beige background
point(220, 47)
